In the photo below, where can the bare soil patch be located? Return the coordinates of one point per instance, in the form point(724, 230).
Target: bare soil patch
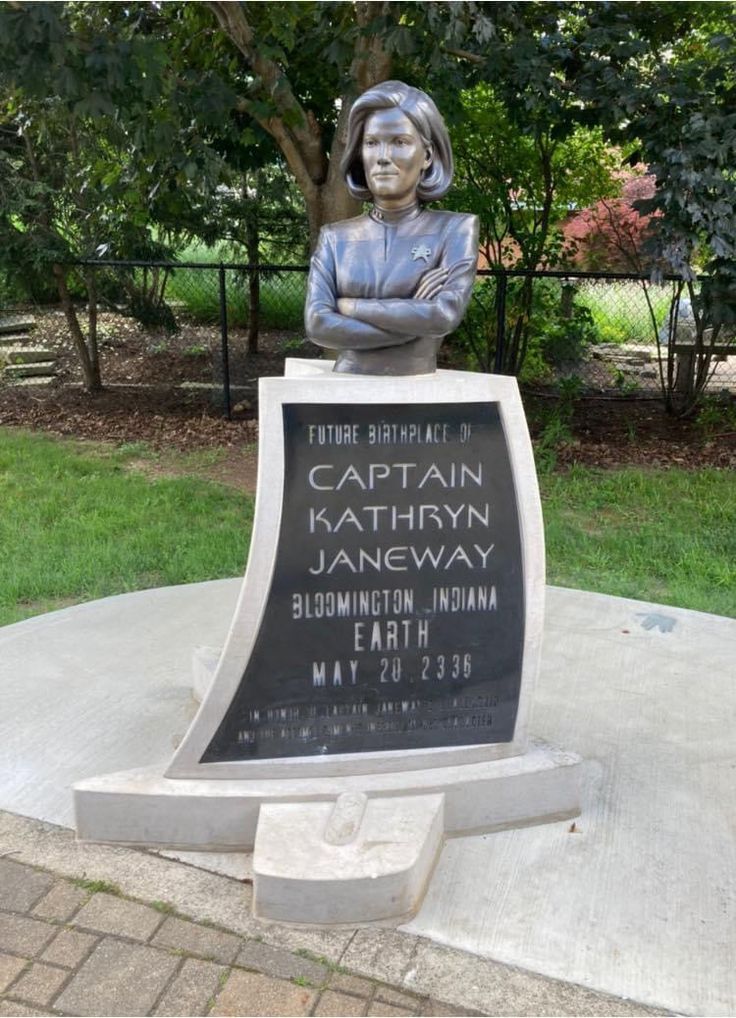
point(234, 466)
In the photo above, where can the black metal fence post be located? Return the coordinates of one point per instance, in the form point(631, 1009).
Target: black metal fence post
point(225, 350)
point(501, 283)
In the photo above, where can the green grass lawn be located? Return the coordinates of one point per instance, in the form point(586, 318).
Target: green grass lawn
point(282, 294)
point(282, 297)
point(620, 310)
point(657, 535)
point(76, 523)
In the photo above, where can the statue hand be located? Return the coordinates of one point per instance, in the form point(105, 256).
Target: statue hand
point(346, 306)
point(431, 283)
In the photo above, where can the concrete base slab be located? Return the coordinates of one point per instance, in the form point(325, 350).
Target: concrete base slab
point(100, 687)
point(142, 807)
point(640, 897)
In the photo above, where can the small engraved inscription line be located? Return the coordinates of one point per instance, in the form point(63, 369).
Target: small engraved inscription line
point(375, 518)
point(345, 604)
point(384, 433)
point(464, 599)
point(401, 558)
point(328, 477)
point(390, 635)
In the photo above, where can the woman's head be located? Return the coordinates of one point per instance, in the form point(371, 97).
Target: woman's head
point(421, 112)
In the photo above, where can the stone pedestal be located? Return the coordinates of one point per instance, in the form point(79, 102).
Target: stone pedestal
point(374, 692)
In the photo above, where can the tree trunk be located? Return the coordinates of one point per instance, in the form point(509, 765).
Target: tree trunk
point(252, 236)
point(92, 348)
point(329, 203)
point(293, 126)
point(90, 366)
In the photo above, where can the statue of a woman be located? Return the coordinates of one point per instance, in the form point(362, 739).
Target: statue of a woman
point(386, 287)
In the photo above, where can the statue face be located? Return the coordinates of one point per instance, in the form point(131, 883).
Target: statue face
point(394, 157)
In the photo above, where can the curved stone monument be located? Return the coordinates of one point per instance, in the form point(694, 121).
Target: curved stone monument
point(374, 691)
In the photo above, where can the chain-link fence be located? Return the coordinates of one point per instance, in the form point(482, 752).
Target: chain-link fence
point(611, 333)
point(213, 329)
point(207, 331)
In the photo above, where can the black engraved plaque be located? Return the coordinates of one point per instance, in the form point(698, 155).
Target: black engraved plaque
point(395, 618)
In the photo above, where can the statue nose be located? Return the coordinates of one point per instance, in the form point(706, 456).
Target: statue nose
point(383, 159)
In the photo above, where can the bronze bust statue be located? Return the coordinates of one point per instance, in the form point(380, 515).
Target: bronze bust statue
point(385, 288)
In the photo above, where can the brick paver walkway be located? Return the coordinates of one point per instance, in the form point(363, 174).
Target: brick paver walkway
point(81, 948)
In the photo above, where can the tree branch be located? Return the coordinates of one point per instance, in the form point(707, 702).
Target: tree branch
point(370, 65)
point(301, 141)
point(463, 54)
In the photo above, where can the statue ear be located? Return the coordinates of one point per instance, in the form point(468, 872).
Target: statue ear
point(428, 157)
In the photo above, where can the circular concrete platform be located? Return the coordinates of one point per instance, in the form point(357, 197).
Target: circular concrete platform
point(637, 900)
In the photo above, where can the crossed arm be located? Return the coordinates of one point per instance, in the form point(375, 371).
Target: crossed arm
point(327, 325)
point(434, 309)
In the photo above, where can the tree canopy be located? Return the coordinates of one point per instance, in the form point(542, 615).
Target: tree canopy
point(124, 125)
point(198, 85)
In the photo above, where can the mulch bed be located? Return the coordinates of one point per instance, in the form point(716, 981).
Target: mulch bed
point(610, 432)
point(605, 432)
point(158, 416)
point(145, 403)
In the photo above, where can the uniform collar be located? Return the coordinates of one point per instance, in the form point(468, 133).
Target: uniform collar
point(395, 216)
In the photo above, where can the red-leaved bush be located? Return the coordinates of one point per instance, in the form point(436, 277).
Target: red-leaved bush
point(610, 235)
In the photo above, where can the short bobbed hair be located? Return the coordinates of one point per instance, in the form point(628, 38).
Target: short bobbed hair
point(426, 118)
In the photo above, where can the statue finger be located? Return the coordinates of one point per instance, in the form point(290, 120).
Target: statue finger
point(434, 274)
point(429, 289)
point(430, 283)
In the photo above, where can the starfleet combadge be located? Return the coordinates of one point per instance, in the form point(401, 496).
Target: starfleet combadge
point(421, 251)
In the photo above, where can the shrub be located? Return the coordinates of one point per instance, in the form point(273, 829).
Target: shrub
point(558, 330)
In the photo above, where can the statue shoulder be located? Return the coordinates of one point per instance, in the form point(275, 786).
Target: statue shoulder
point(452, 222)
point(347, 229)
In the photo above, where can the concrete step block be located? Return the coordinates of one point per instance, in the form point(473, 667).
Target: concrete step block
point(40, 382)
point(27, 354)
point(13, 339)
point(30, 370)
point(16, 324)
